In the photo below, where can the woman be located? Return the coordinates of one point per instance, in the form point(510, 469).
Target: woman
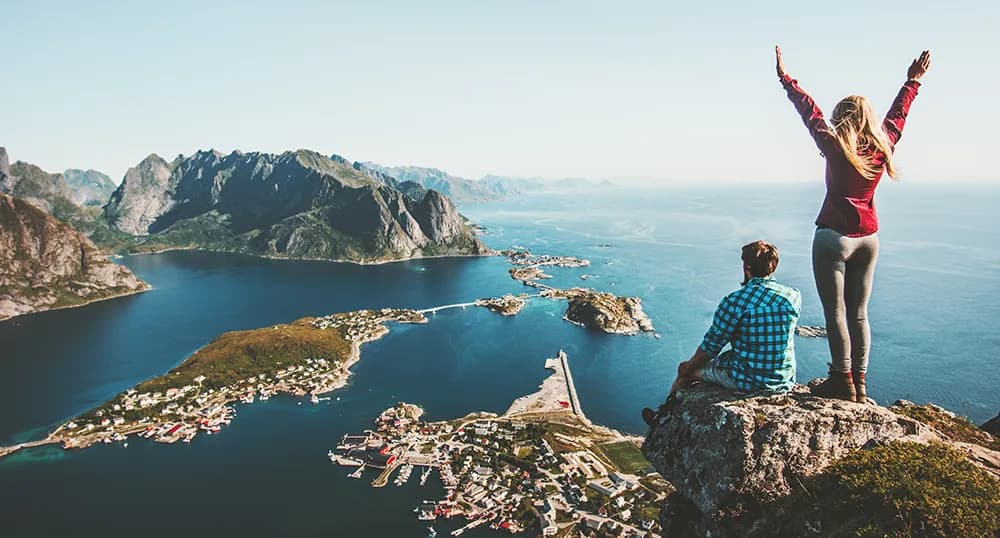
point(858, 150)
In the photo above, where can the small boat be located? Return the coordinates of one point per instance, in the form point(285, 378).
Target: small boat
point(431, 533)
point(357, 473)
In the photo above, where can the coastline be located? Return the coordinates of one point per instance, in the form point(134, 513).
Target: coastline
point(85, 303)
point(492, 252)
point(53, 437)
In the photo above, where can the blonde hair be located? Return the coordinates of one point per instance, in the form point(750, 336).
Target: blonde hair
point(857, 129)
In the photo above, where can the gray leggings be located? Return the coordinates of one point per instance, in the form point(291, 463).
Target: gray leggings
point(843, 267)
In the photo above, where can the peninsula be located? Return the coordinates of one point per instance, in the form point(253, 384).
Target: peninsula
point(541, 465)
point(310, 356)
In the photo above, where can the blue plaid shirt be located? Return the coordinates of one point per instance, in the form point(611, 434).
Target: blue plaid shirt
point(758, 321)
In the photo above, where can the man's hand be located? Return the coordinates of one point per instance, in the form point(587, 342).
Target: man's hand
point(685, 369)
point(919, 66)
point(780, 62)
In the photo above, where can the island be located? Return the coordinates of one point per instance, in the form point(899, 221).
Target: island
point(508, 305)
point(541, 465)
point(528, 267)
point(587, 307)
point(310, 356)
point(604, 311)
point(810, 331)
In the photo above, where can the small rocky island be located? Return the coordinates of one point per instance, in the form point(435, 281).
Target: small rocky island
point(528, 267)
point(603, 311)
point(810, 331)
point(508, 305)
point(589, 308)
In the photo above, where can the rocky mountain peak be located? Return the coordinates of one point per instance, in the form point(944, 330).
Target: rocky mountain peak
point(4, 163)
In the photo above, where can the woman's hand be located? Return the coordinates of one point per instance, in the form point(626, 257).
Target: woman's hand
point(917, 69)
point(780, 63)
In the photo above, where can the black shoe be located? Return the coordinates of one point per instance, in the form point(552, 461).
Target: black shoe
point(649, 416)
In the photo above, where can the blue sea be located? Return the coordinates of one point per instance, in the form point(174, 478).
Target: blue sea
point(934, 319)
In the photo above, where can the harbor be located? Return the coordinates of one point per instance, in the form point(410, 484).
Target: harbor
point(542, 464)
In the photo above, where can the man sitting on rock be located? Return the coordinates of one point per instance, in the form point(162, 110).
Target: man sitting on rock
point(758, 322)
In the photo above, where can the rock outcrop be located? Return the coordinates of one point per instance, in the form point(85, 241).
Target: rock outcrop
point(721, 450)
point(297, 204)
point(46, 264)
point(728, 454)
point(4, 163)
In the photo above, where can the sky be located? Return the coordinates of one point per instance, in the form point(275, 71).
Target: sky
point(654, 91)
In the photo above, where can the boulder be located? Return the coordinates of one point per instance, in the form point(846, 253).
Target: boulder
point(727, 453)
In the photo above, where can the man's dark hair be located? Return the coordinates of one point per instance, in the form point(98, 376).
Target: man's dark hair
point(760, 257)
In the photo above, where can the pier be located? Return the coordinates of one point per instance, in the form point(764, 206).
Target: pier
point(8, 450)
point(574, 400)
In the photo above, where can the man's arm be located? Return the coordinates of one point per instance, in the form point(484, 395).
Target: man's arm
point(723, 328)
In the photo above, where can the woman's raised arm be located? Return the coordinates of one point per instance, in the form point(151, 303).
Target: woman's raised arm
point(895, 119)
point(812, 116)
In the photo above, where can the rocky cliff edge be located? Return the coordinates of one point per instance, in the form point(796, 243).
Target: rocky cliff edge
point(732, 457)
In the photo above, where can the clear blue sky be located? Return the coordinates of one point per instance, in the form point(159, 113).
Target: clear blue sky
point(670, 90)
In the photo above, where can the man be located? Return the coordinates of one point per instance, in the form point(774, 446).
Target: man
point(758, 322)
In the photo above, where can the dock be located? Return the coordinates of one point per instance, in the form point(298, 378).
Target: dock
point(8, 450)
point(574, 400)
point(383, 478)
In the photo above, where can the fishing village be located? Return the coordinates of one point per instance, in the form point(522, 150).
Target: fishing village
point(542, 466)
point(309, 357)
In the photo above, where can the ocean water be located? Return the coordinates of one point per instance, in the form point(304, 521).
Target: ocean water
point(934, 325)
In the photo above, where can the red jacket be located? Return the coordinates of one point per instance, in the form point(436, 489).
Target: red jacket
point(849, 205)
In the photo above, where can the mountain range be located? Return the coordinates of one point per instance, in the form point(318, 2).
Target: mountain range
point(459, 189)
point(297, 204)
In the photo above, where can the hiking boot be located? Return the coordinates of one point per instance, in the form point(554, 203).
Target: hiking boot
point(649, 417)
point(860, 390)
point(839, 385)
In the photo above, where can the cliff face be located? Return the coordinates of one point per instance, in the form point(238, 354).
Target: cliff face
point(298, 204)
point(42, 189)
point(731, 456)
point(46, 264)
point(4, 164)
